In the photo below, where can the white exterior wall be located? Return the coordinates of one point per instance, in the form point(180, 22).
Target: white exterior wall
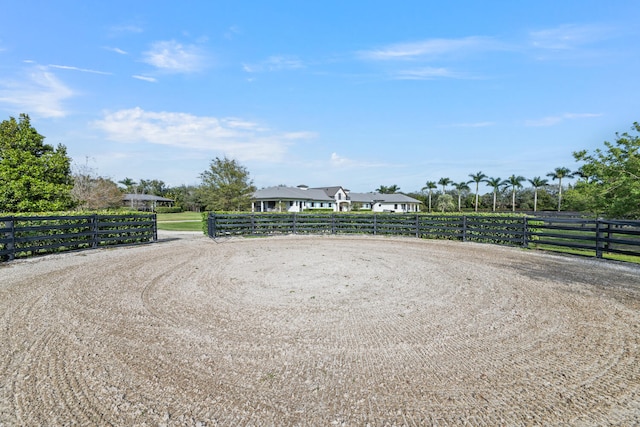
point(342, 199)
point(395, 207)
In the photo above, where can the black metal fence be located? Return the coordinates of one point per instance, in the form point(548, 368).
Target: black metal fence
point(597, 235)
point(23, 236)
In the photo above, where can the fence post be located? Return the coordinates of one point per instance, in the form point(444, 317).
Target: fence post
point(295, 228)
point(11, 246)
point(211, 231)
point(418, 225)
point(525, 237)
point(464, 228)
point(598, 239)
point(333, 223)
point(94, 230)
point(375, 224)
point(155, 227)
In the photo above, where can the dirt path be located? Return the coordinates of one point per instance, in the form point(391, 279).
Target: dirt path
point(318, 331)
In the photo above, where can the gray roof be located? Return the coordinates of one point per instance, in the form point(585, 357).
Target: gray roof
point(145, 198)
point(380, 197)
point(327, 194)
point(331, 191)
point(291, 193)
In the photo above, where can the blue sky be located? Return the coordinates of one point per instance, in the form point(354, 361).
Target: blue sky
point(351, 93)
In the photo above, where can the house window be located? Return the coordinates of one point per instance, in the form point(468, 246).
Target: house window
point(321, 205)
point(339, 196)
point(313, 204)
point(395, 206)
point(329, 204)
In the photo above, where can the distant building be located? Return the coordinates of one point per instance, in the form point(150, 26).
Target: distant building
point(145, 202)
point(337, 199)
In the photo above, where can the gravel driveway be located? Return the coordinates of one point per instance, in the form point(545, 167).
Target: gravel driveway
point(333, 330)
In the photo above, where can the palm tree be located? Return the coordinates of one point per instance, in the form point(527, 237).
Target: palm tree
point(514, 182)
point(460, 187)
point(537, 182)
point(444, 182)
point(558, 174)
point(393, 189)
point(383, 189)
point(477, 178)
point(430, 185)
point(494, 183)
point(128, 183)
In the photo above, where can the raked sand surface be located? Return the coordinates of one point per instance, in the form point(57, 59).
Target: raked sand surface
point(318, 330)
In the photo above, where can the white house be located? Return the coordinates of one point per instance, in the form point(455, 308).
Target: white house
point(302, 198)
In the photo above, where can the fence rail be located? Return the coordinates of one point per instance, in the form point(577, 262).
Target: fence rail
point(597, 235)
point(23, 236)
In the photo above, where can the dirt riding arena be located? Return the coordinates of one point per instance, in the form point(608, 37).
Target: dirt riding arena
point(318, 331)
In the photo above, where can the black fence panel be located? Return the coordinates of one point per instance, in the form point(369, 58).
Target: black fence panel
point(24, 236)
point(546, 232)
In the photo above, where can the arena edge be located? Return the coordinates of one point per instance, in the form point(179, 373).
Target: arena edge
point(602, 238)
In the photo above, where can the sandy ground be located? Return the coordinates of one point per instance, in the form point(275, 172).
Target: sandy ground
point(318, 331)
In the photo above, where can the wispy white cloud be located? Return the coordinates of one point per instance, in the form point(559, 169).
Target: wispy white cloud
point(430, 73)
point(173, 57)
point(430, 48)
point(41, 94)
point(118, 30)
point(338, 161)
point(231, 32)
point(84, 70)
point(116, 50)
point(554, 120)
point(275, 63)
point(145, 78)
point(566, 37)
point(234, 137)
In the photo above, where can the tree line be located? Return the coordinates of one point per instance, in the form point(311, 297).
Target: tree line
point(37, 177)
point(513, 185)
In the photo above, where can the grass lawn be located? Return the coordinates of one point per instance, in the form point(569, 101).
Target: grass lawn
point(589, 253)
point(183, 221)
point(182, 216)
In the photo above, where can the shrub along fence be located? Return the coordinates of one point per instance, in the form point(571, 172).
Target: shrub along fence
point(597, 235)
point(23, 236)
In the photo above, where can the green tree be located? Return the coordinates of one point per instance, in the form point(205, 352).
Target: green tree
point(444, 182)
point(558, 174)
point(537, 183)
point(612, 176)
point(514, 182)
point(152, 186)
point(430, 186)
point(129, 185)
point(34, 176)
point(383, 189)
point(226, 186)
point(185, 197)
point(496, 184)
point(445, 202)
point(477, 178)
point(460, 188)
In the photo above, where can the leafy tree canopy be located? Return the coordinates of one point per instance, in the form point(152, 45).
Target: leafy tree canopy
point(34, 176)
point(226, 186)
point(611, 176)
